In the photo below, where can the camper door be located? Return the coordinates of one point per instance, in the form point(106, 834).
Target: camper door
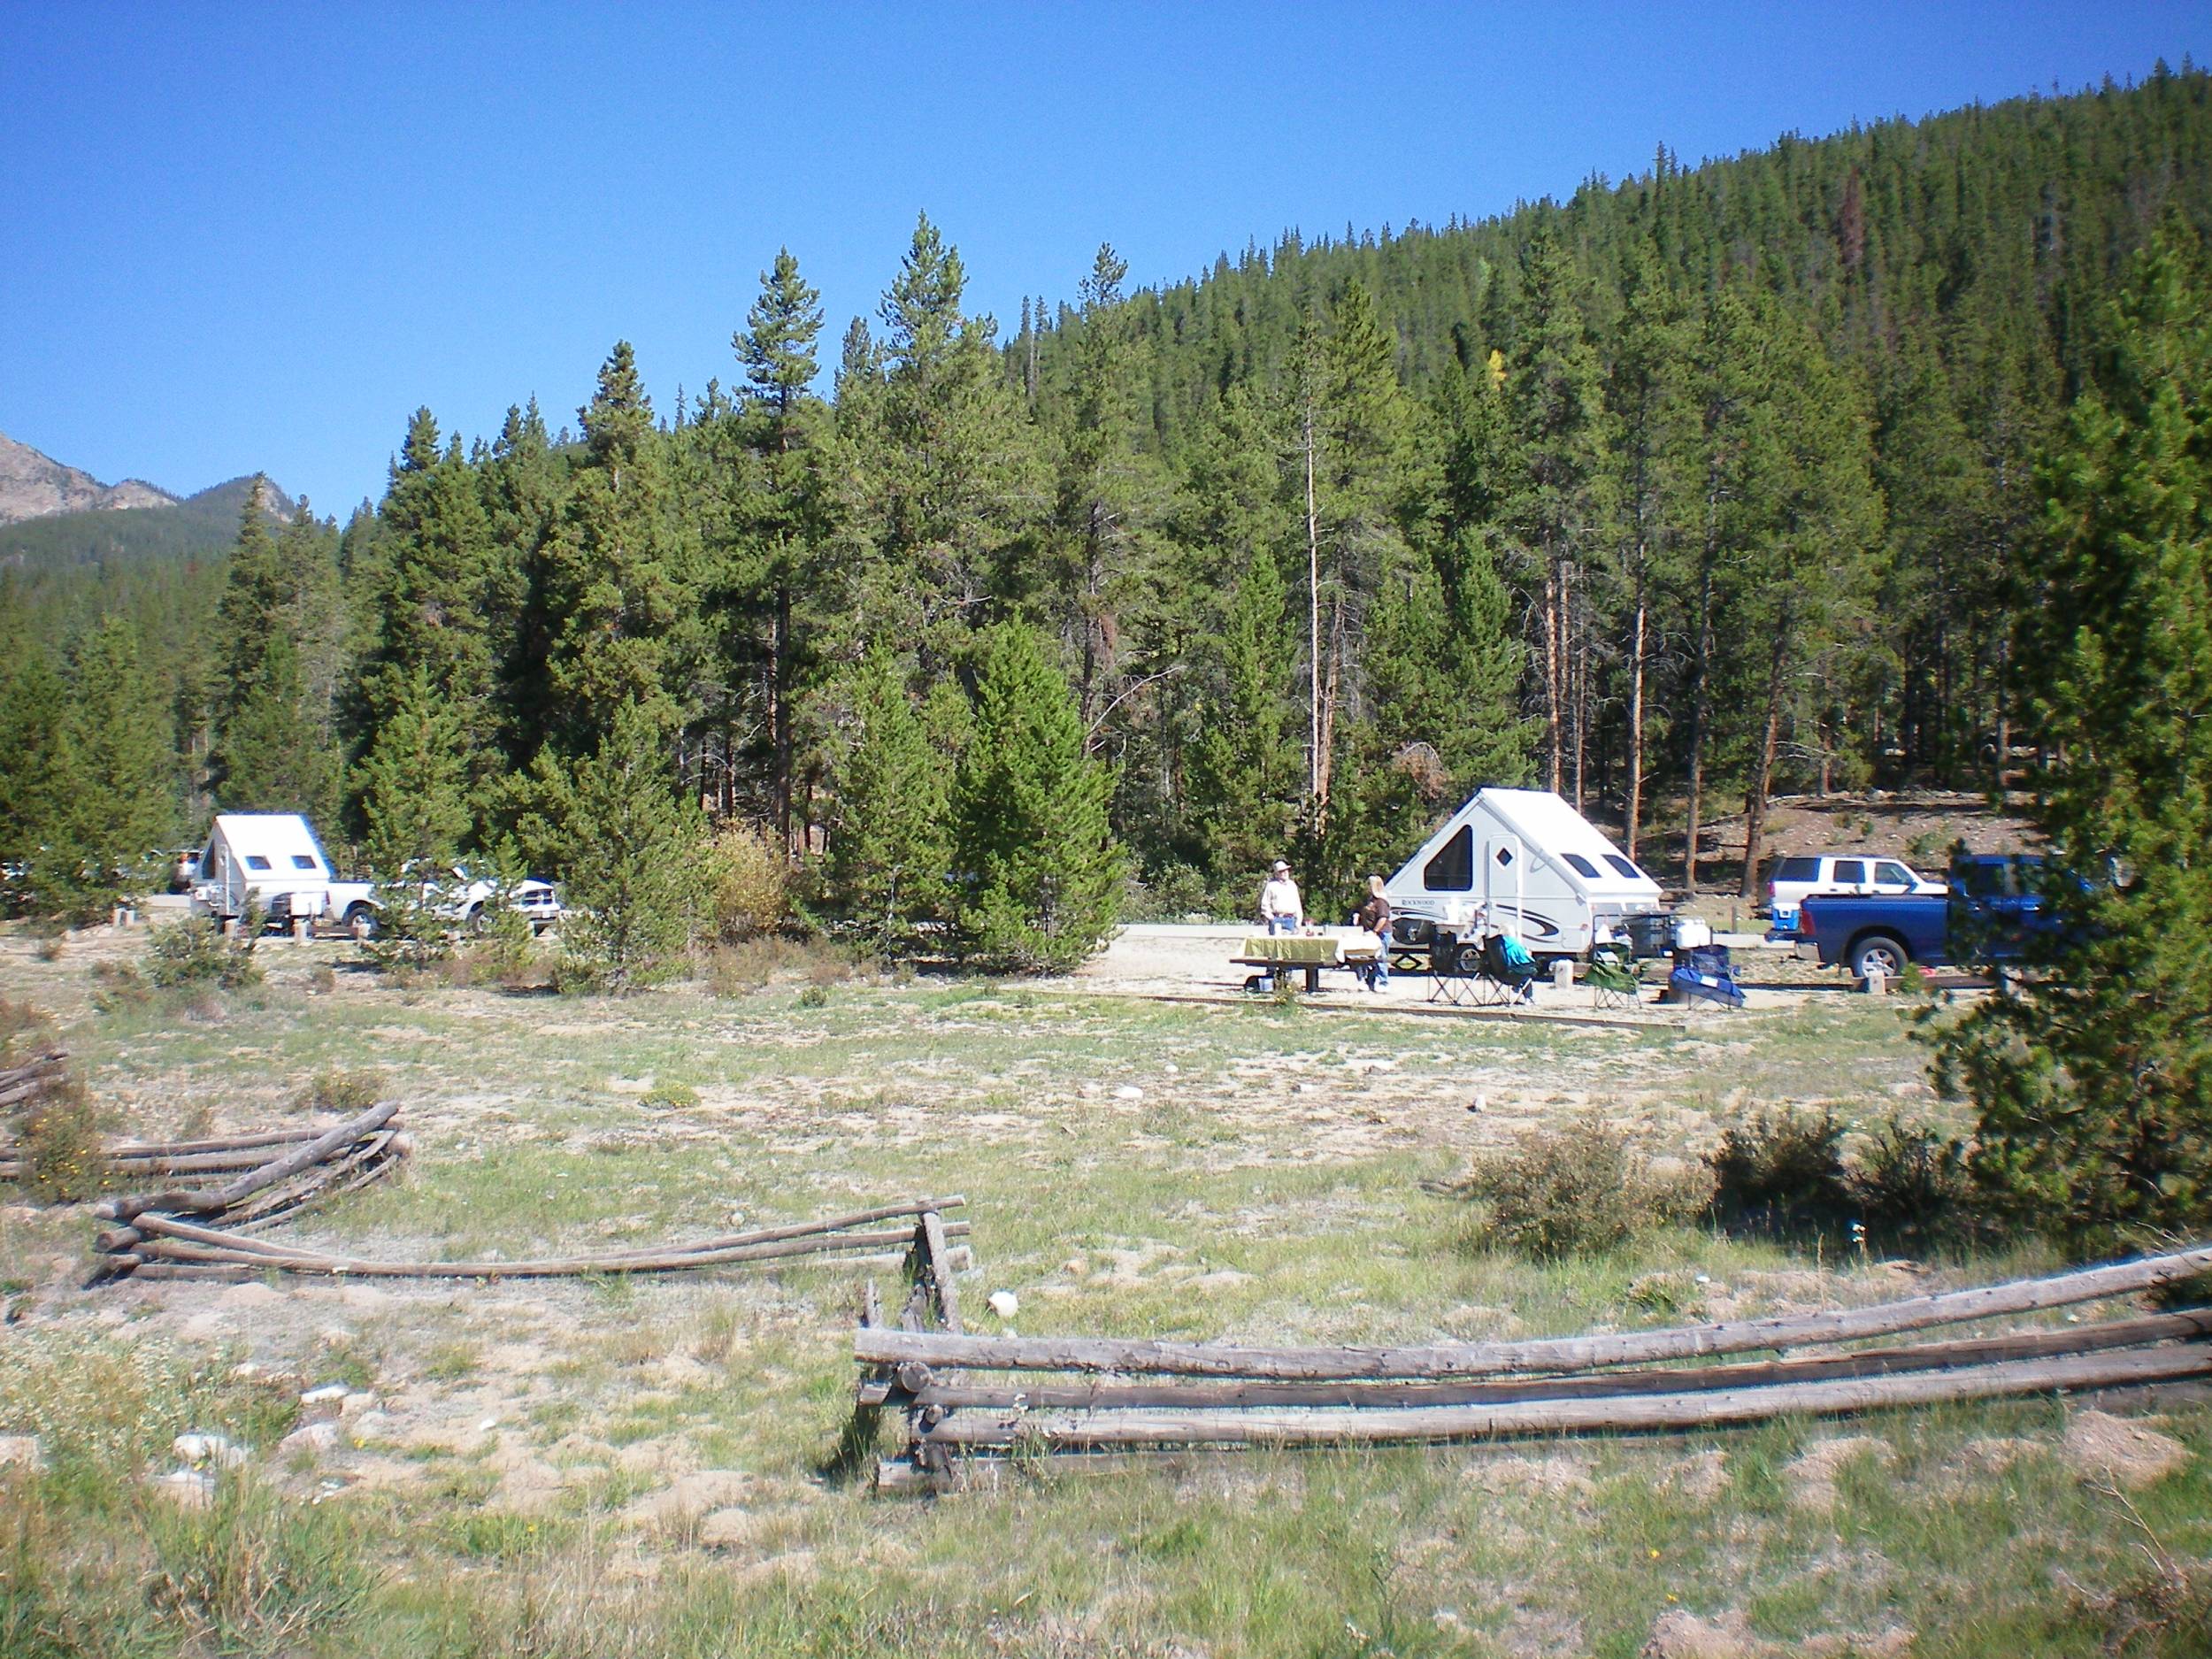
point(1505, 883)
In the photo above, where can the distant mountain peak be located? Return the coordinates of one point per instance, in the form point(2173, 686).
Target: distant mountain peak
point(36, 486)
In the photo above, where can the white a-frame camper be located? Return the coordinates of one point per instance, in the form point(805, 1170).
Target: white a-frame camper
point(273, 860)
point(1520, 861)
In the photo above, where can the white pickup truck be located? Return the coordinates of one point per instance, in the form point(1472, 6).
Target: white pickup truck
point(272, 862)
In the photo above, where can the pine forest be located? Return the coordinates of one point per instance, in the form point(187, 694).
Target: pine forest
point(1691, 491)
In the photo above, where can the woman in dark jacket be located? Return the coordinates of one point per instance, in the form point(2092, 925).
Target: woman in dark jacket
point(1374, 916)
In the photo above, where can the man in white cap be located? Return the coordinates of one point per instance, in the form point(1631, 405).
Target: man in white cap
point(1282, 910)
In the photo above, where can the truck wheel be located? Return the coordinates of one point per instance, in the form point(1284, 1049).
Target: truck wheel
point(1468, 960)
point(1879, 951)
point(361, 922)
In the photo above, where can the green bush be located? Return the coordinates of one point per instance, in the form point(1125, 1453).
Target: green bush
point(194, 955)
point(350, 1093)
point(58, 1135)
point(747, 877)
point(1574, 1192)
point(669, 1097)
point(1781, 1172)
point(1912, 1182)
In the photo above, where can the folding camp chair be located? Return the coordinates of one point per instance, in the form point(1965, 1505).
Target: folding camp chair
point(1612, 977)
point(1506, 964)
point(1704, 977)
point(1455, 969)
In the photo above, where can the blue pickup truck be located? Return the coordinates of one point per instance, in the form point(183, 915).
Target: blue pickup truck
point(1994, 901)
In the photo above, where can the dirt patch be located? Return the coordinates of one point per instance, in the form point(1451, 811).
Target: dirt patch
point(1701, 1477)
point(1541, 1476)
point(1680, 1635)
point(1813, 1476)
point(1993, 1454)
point(2101, 1446)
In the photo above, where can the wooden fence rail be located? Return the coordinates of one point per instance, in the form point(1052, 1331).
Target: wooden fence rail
point(1125, 1395)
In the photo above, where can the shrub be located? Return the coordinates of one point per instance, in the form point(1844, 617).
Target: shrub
point(349, 1092)
point(58, 1138)
point(814, 997)
point(1575, 1192)
point(746, 881)
point(117, 987)
point(1912, 1181)
point(739, 970)
point(19, 1021)
point(670, 1097)
point(1782, 1171)
point(1175, 893)
point(194, 954)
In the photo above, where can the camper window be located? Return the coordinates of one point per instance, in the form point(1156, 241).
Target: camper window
point(1505, 858)
point(255, 861)
point(1580, 865)
point(1626, 868)
point(1453, 869)
point(303, 861)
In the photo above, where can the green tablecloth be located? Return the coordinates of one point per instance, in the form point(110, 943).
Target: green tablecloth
point(1299, 950)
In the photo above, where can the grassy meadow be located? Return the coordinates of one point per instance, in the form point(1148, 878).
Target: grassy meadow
point(642, 1466)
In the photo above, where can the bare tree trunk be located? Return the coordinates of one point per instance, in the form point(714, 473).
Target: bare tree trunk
point(1579, 697)
point(1314, 766)
point(2004, 713)
point(1762, 774)
point(1636, 717)
point(781, 714)
point(1701, 715)
point(1329, 691)
point(1552, 712)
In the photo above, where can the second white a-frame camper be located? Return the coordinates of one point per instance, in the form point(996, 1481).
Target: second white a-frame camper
point(1521, 862)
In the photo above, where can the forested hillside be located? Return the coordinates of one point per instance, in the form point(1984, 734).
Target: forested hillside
point(196, 527)
point(1688, 489)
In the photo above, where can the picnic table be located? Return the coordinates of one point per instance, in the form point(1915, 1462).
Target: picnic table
point(1351, 948)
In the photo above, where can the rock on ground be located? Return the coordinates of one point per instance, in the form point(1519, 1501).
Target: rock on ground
point(21, 1451)
point(2099, 1447)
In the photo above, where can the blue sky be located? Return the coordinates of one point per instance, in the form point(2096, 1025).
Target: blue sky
point(255, 238)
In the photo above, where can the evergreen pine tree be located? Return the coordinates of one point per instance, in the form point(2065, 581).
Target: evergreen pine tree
point(1040, 870)
point(412, 785)
point(123, 768)
point(888, 850)
point(625, 572)
point(631, 854)
point(272, 756)
point(1245, 772)
point(429, 595)
point(2093, 1076)
point(38, 785)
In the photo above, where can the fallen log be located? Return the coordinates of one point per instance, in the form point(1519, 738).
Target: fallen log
point(259, 1253)
point(937, 1258)
point(917, 1387)
point(1051, 1430)
point(879, 1345)
point(206, 1200)
point(363, 1163)
point(247, 1142)
point(39, 1070)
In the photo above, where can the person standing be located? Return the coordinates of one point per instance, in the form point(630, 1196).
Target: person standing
point(1374, 916)
point(1282, 910)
